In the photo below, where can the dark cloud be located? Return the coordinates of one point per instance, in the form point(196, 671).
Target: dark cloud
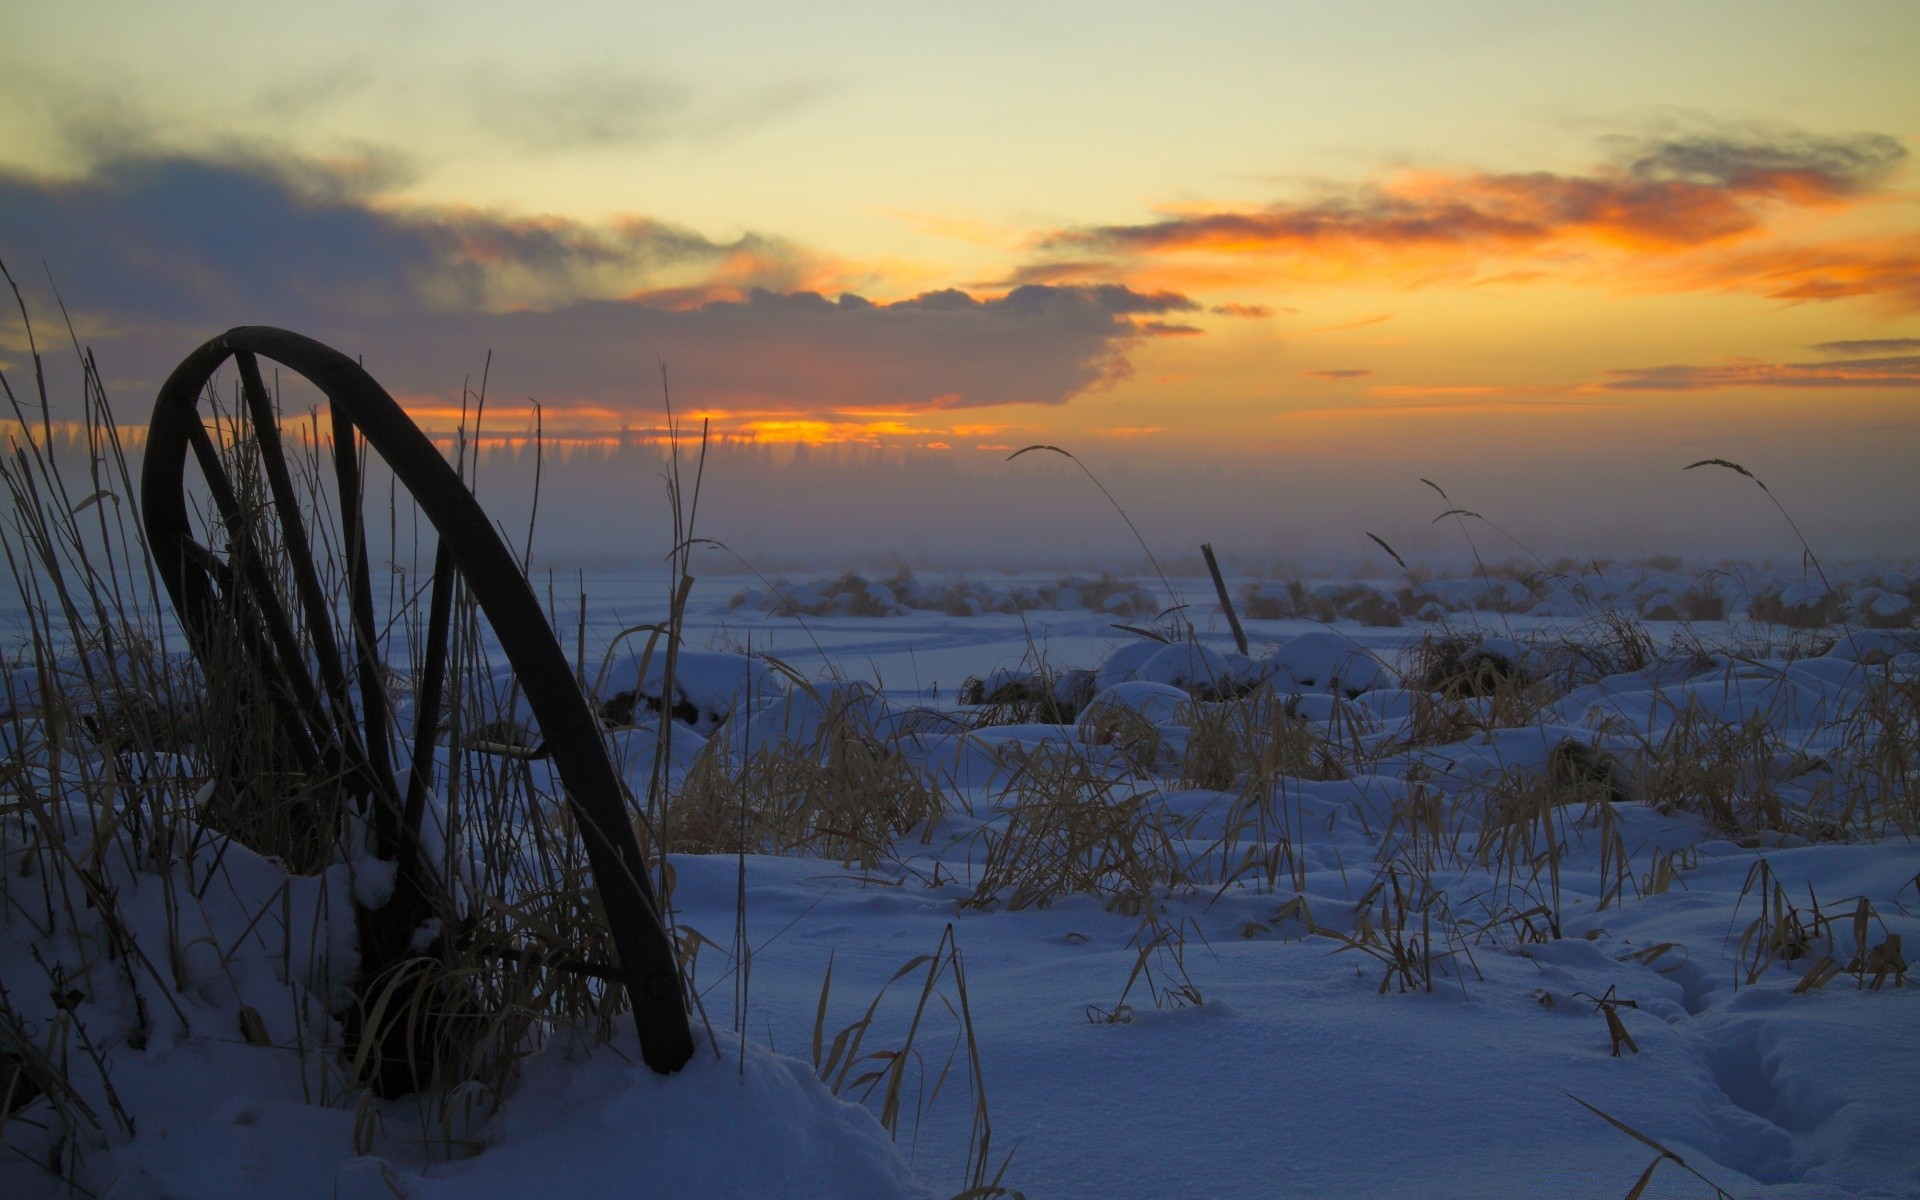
point(1765, 161)
point(1682, 191)
point(293, 239)
point(790, 353)
point(178, 238)
point(1869, 346)
point(1895, 372)
point(1339, 373)
point(1250, 311)
point(162, 253)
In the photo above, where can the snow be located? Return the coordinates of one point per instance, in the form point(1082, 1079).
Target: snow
point(1156, 703)
point(1325, 661)
point(711, 684)
point(1238, 1036)
point(586, 1123)
point(727, 1125)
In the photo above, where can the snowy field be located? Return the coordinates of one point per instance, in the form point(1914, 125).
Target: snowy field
point(1509, 898)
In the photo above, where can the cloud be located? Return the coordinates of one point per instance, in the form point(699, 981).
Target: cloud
point(605, 104)
point(182, 248)
point(176, 237)
point(227, 236)
point(1902, 371)
point(1762, 161)
point(1466, 389)
point(611, 108)
point(1059, 271)
point(795, 353)
point(1868, 346)
point(1250, 311)
point(1885, 269)
point(1662, 214)
point(1683, 192)
point(160, 253)
point(1357, 323)
point(1467, 405)
point(1339, 373)
point(584, 110)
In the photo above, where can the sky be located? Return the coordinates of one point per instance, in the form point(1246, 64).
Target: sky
point(1262, 268)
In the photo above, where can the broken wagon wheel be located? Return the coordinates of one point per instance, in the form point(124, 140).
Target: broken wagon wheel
point(304, 685)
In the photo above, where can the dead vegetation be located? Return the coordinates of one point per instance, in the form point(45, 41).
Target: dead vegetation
point(844, 796)
point(1070, 828)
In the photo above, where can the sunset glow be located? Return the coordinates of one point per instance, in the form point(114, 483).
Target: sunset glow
point(1278, 234)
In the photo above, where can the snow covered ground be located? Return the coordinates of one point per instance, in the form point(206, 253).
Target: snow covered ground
point(1345, 934)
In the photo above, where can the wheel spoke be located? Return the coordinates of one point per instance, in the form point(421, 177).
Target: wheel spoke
point(373, 691)
point(427, 692)
point(306, 579)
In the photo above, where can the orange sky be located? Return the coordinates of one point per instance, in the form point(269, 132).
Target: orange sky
point(1403, 239)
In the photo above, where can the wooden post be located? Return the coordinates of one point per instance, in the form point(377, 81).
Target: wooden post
point(1226, 601)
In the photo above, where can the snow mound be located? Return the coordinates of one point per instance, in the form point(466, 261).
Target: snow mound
point(805, 715)
point(707, 686)
point(1157, 703)
point(1329, 662)
point(723, 1127)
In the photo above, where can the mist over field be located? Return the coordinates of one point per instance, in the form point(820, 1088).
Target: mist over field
point(1595, 481)
point(835, 507)
point(787, 506)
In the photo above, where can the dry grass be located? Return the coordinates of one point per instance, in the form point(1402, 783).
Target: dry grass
point(1395, 923)
point(845, 1064)
point(845, 796)
point(1355, 602)
point(1876, 764)
point(1439, 718)
point(1249, 742)
point(1724, 771)
point(1043, 695)
point(1069, 828)
point(1159, 968)
point(1770, 608)
point(1607, 643)
point(1833, 940)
